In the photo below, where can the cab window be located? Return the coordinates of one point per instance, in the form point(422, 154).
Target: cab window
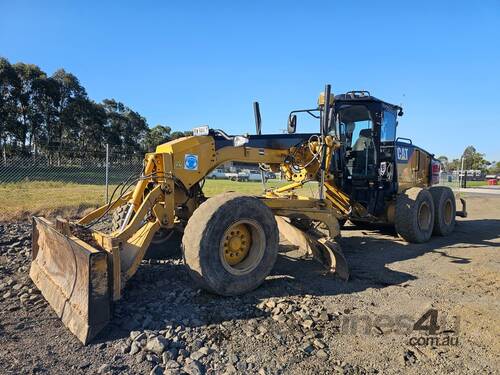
point(388, 129)
point(355, 122)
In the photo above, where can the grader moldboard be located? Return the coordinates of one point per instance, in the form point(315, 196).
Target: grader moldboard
point(230, 241)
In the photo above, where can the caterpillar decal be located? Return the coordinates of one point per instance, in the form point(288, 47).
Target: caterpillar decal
point(413, 166)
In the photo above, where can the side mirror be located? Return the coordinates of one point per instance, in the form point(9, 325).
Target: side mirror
point(292, 124)
point(400, 112)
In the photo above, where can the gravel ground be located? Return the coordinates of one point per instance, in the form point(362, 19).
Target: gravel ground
point(299, 321)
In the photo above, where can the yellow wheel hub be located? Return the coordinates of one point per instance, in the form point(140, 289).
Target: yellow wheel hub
point(237, 241)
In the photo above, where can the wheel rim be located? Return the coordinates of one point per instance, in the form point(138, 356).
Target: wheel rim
point(424, 216)
point(448, 212)
point(242, 247)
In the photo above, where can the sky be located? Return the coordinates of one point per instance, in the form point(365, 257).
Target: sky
point(186, 64)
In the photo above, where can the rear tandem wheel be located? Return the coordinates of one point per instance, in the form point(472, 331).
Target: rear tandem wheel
point(445, 210)
point(414, 219)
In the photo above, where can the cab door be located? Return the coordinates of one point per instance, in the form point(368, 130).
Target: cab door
point(357, 136)
point(359, 142)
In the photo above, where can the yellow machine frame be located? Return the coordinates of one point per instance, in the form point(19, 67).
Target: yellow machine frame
point(127, 247)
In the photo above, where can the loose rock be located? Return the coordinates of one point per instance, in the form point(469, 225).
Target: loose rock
point(193, 368)
point(157, 345)
point(157, 370)
point(103, 369)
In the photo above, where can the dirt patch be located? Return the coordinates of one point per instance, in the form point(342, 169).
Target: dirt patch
point(299, 321)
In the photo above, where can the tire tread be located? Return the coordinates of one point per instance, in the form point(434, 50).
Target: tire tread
point(194, 233)
point(406, 211)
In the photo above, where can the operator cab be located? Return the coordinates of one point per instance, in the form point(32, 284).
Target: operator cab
point(364, 166)
point(366, 127)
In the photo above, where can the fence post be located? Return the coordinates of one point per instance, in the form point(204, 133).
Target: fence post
point(461, 182)
point(107, 173)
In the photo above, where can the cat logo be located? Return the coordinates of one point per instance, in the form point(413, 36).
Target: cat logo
point(402, 153)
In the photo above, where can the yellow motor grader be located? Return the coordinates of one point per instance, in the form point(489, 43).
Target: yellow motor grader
point(230, 241)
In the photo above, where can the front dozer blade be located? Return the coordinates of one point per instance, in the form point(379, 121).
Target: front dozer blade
point(329, 254)
point(73, 277)
point(323, 249)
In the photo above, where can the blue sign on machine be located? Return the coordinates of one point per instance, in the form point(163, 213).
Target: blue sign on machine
point(191, 162)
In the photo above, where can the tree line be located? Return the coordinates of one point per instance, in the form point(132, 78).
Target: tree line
point(41, 113)
point(471, 159)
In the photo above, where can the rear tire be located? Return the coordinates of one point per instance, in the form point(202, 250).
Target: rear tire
point(445, 210)
point(165, 243)
point(415, 215)
point(118, 217)
point(205, 244)
point(164, 246)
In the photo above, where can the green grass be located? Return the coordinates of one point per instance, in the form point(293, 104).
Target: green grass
point(470, 184)
point(476, 183)
point(213, 187)
point(21, 200)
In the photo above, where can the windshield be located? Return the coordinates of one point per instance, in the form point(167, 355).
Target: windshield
point(354, 122)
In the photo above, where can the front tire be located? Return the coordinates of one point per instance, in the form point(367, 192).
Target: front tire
point(415, 215)
point(230, 244)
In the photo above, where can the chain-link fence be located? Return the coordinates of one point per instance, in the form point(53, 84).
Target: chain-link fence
point(451, 180)
point(107, 167)
point(458, 180)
